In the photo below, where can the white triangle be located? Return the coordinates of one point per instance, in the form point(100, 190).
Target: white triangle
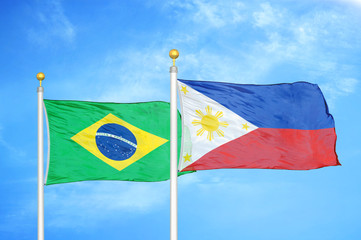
point(197, 146)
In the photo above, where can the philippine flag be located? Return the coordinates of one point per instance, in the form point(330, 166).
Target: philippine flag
point(280, 126)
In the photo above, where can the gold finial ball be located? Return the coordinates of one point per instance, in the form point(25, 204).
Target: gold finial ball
point(173, 53)
point(40, 76)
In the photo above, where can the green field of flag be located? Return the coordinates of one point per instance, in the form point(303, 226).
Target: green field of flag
point(108, 141)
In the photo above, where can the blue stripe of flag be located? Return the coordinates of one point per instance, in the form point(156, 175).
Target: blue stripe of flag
point(299, 105)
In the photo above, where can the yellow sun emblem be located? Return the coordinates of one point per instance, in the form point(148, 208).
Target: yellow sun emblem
point(210, 123)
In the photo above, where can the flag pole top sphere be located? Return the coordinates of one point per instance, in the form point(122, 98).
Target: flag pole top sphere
point(40, 76)
point(173, 54)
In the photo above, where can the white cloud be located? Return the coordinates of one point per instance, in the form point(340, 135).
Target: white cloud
point(86, 204)
point(53, 24)
point(135, 76)
point(122, 75)
point(283, 37)
point(306, 41)
point(214, 14)
point(353, 2)
point(217, 191)
point(312, 42)
point(339, 87)
point(268, 16)
point(347, 85)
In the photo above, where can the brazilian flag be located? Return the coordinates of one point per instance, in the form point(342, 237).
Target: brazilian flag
point(108, 141)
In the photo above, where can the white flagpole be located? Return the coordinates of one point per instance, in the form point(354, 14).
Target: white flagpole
point(173, 148)
point(40, 76)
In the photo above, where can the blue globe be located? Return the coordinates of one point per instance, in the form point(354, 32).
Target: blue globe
point(116, 142)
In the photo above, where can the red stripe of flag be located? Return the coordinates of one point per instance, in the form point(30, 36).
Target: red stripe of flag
point(271, 148)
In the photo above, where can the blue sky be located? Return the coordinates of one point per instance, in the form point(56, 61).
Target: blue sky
point(118, 51)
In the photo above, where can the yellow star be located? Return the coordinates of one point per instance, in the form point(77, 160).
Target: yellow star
point(245, 126)
point(187, 158)
point(184, 89)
